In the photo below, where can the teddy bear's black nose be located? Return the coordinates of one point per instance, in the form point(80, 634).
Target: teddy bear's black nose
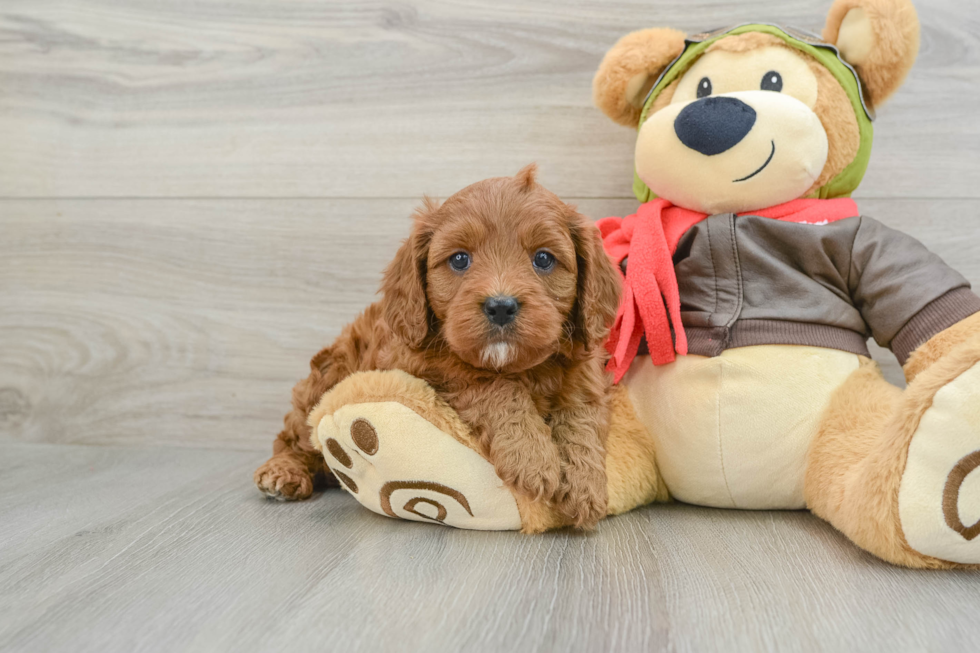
point(713, 125)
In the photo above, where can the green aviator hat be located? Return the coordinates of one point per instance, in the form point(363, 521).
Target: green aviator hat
point(850, 177)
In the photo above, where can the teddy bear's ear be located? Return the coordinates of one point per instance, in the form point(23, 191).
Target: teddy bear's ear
point(630, 69)
point(880, 38)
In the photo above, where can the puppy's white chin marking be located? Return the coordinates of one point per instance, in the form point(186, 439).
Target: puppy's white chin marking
point(496, 355)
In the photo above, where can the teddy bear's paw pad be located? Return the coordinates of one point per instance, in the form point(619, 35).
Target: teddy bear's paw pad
point(939, 496)
point(397, 463)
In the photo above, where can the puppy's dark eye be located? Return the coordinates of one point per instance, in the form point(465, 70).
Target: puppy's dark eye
point(704, 87)
point(459, 261)
point(772, 81)
point(543, 260)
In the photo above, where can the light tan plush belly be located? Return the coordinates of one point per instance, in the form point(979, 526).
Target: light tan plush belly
point(733, 431)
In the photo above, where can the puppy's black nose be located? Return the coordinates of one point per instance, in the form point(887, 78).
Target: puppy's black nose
point(714, 124)
point(501, 310)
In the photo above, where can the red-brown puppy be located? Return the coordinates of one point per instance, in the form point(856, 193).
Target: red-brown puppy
point(501, 300)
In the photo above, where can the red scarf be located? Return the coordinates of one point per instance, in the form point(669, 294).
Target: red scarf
point(649, 237)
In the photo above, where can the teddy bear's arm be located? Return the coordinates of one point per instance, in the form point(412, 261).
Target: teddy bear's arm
point(905, 293)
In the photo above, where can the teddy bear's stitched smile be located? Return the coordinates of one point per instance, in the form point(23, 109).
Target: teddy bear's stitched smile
point(771, 154)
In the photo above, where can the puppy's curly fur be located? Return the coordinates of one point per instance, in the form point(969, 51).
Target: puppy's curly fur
point(534, 390)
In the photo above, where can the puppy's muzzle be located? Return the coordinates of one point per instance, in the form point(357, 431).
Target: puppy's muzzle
point(501, 309)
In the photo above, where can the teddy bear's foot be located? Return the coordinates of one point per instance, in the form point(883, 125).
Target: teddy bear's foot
point(939, 495)
point(398, 463)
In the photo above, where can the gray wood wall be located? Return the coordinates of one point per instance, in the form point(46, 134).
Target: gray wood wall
point(196, 195)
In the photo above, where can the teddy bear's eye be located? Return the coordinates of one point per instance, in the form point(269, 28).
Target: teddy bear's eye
point(772, 81)
point(704, 87)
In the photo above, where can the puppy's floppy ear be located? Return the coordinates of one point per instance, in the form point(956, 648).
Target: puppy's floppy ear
point(880, 38)
point(629, 70)
point(405, 305)
point(599, 284)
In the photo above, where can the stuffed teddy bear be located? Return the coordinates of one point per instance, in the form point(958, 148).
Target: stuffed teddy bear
point(751, 285)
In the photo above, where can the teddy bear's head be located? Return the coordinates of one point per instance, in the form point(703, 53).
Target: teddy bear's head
point(757, 115)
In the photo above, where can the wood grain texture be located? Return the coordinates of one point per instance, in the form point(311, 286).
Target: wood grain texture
point(142, 549)
point(187, 322)
point(334, 98)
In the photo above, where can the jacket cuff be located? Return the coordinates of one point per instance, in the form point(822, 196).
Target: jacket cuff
point(938, 315)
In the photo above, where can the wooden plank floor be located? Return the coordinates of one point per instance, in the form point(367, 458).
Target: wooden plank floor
point(195, 195)
point(162, 549)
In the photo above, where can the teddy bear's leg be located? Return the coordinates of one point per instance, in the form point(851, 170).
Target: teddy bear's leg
point(899, 472)
point(402, 452)
point(632, 476)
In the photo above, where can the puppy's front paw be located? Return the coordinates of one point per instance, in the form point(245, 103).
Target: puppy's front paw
point(534, 471)
point(283, 481)
point(583, 497)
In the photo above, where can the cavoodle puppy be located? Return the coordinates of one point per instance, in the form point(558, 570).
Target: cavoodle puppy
point(501, 300)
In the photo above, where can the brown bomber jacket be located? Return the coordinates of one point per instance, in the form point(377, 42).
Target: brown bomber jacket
point(747, 280)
